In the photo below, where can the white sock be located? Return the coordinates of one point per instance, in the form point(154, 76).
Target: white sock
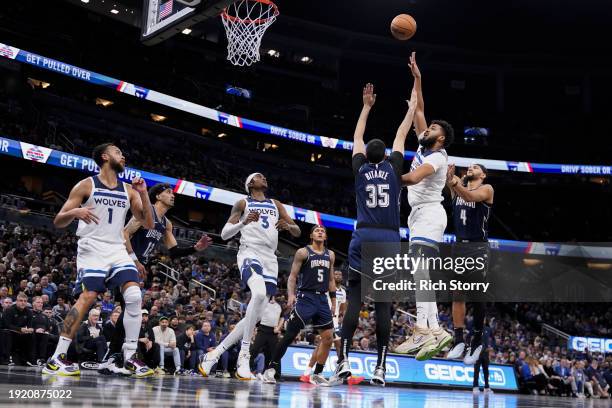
point(132, 320)
point(255, 308)
point(432, 315)
point(62, 346)
point(421, 310)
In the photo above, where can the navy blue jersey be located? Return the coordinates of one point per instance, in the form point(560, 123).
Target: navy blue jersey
point(377, 191)
point(471, 219)
point(314, 273)
point(145, 240)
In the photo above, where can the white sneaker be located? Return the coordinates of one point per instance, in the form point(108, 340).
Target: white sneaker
point(243, 367)
point(206, 363)
point(456, 352)
point(442, 339)
point(471, 357)
point(476, 391)
point(268, 376)
point(420, 338)
point(488, 391)
point(61, 366)
point(378, 378)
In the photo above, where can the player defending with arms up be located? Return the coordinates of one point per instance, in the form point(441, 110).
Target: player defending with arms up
point(101, 203)
point(377, 192)
point(312, 269)
point(427, 220)
point(258, 219)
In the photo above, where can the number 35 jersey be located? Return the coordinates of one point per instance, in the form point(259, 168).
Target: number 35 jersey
point(261, 234)
point(111, 206)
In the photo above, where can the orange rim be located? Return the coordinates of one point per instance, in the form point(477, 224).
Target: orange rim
point(226, 16)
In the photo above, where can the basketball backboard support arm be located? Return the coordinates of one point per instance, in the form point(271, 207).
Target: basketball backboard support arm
point(163, 19)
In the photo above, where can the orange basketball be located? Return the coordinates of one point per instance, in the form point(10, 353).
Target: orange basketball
point(403, 27)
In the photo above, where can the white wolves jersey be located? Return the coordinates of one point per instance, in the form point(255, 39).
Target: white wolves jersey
point(429, 190)
point(111, 207)
point(340, 299)
point(262, 233)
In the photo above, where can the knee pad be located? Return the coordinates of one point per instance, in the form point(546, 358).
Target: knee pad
point(132, 298)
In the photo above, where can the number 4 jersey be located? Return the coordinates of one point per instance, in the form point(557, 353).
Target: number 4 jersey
point(471, 219)
point(111, 206)
point(377, 191)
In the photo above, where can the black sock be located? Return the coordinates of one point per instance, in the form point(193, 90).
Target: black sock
point(383, 330)
point(459, 335)
point(319, 368)
point(351, 318)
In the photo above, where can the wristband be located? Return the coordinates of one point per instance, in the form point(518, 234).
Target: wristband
point(134, 257)
point(332, 295)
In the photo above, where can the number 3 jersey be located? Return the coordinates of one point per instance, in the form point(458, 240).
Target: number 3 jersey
point(111, 206)
point(261, 234)
point(377, 191)
point(145, 240)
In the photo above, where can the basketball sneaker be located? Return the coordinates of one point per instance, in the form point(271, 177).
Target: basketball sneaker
point(442, 338)
point(378, 378)
point(243, 367)
point(456, 352)
point(472, 355)
point(206, 363)
point(318, 379)
point(61, 366)
point(420, 338)
point(137, 368)
point(268, 376)
point(343, 369)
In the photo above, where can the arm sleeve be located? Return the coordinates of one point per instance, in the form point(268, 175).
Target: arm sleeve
point(436, 160)
point(397, 162)
point(358, 160)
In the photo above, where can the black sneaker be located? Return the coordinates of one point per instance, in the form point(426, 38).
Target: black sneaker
point(343, 369)
point(61, 366)
point(138, 368)
point(378, 378)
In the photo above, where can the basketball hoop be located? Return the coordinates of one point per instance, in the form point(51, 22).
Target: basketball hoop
point(245, 23)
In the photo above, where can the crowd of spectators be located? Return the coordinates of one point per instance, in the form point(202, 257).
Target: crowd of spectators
point(181, 321)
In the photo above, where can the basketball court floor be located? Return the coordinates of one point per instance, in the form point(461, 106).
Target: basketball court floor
point(93, 390)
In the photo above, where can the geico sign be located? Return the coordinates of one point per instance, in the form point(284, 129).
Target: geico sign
point(460, 373)
point(359, 366)
point(592, 343)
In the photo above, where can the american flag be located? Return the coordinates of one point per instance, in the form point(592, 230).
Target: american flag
point(165, 9)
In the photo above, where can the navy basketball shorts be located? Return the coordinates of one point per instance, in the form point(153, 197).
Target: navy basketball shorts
point(479, 251)
point(367, 235)
point(312, 307)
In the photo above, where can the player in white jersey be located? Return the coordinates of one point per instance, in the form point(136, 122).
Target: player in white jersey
point(101, 203)
point(427, 220)
point(258, 219)
point(337, 315)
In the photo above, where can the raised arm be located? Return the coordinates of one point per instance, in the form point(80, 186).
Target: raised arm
point(285, 222)
point(419, 117)
point(369, 98)
point(484, 193)
point(404, 127)
point(298, 259)
point(72, 209)
point(140, 204)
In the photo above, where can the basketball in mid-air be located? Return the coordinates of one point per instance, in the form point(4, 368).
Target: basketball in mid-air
point(403, 27)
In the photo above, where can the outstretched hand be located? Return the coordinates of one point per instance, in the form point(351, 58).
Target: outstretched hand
point(416, 73)
point(369, 97)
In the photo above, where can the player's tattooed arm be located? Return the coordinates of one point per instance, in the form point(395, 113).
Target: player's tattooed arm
point(130, 229)
point(369, 99)
point(332, 280)
point(233, 225)
point(140, 203)
point(285, 222)
point(298, 259)
point(72, 209)
point(419, 118)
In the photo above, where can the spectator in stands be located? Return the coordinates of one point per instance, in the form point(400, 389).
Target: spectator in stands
point(595, 377)
point(5, 357)
point(61, 309)
point(568, 382)
point(533, 375)
point(579, 377)
point(147, 347)
point(18, 321)
point(230, 357)
point(89, 336)
point(154, 317)
point(205, 341)
point(186, 345)
point(107, 307)
point(165, 337)
point(42, 328)
point(174, 325)
point(109, 327)
point(48, 288)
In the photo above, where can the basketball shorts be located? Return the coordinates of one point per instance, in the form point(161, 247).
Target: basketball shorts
point(261, 261)
point(103, 266)
point(312, 307)
point(477, 272)
point(427, 223)
point(368, 235)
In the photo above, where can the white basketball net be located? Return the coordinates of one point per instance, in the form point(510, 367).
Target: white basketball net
point(245, 23)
